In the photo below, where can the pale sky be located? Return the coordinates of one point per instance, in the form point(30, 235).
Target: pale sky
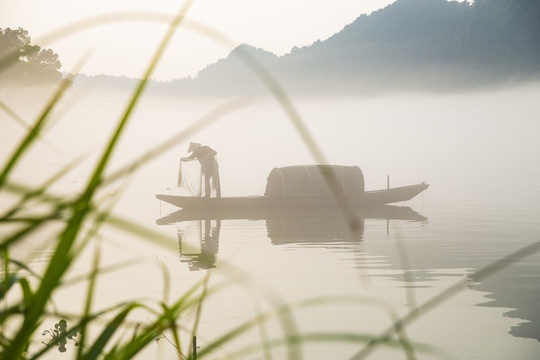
point(125, 48)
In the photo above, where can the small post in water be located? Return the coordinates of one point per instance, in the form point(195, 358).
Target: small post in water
point(388, 181)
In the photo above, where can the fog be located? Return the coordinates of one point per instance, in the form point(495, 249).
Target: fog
point(478, 151)
point(478, 145)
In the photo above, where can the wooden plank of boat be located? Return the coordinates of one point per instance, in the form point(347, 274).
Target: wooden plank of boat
point(368, 198)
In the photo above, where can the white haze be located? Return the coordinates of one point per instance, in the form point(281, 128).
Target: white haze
point(475, 147)
point(479, 151)
point(124, 48)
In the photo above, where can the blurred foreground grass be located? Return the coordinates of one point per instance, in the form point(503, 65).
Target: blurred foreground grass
point(27, 297)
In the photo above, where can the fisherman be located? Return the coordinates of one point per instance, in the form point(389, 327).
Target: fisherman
point(209, 166)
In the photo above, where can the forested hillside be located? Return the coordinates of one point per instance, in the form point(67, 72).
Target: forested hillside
point(432, 45)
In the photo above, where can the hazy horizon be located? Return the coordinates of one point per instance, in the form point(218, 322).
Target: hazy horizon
point(89, 242)
point(108, 48)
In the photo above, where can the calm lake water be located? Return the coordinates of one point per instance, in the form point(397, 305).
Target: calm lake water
point(478, 151)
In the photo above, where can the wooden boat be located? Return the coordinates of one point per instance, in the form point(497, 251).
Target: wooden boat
point(369, 198)
point(303, 187)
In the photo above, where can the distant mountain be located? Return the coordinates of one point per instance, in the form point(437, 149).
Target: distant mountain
point(410, 44)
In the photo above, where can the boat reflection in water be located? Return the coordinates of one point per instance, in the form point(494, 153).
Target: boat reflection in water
point(301, 203)
point(198, 231)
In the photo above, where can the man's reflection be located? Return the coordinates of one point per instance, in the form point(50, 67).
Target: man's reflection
point(204, 257)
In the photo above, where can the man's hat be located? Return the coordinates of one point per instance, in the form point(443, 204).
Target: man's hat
point(193, 146)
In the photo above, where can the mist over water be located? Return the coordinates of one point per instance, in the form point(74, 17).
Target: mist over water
point(478, 151)
point(471, 146)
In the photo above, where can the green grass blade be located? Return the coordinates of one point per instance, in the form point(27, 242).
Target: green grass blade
point(89, 295)
point(14, 116)
point(165, 320)
point(40, 191)
point(214, 115)
point(199, 308)
point(34, 132)
point(62, 258)
point(34, 224)
point(444, 295)
point(98, 346)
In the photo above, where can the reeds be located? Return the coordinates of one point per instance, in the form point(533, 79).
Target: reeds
point(26, 297)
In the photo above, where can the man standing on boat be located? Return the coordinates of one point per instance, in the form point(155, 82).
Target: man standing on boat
point(209, 166)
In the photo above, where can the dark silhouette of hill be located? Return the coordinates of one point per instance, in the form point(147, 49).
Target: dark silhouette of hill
point(433, 45)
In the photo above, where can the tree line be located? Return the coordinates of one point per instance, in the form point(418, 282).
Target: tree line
point(22, 63)
point(429, 44)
